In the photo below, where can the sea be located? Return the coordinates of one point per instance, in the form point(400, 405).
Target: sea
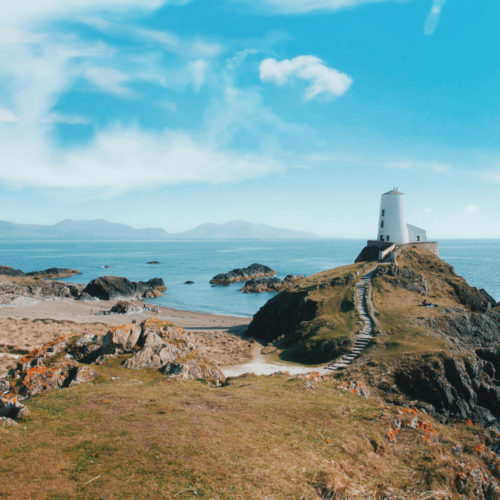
point(198, 261)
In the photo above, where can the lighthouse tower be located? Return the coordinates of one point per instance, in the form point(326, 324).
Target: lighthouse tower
point(392, 221)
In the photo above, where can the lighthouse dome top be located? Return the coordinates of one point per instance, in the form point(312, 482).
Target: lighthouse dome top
point(393, 191)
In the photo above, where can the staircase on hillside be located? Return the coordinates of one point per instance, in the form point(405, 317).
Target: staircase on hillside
point(363, 295)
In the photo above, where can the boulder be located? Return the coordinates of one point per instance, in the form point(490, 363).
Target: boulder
point(121, 339)
point(124, 307)
point(243, 274)
point(110, 287)
point(193, 369)
point(153, 262)
point(12, 409)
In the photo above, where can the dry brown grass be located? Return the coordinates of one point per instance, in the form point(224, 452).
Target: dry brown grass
point(259, 437)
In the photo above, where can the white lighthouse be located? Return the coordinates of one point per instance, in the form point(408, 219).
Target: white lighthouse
point(392, 226)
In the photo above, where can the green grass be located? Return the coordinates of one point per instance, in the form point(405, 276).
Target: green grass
point(257, 437)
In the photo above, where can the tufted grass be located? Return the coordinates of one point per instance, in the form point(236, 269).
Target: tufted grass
point(257, 437)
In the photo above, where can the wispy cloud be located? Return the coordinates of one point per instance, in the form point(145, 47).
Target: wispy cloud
point(302, 6)
point(320, 78)
point(434, 16)
point(471, 209)
point(108, 80)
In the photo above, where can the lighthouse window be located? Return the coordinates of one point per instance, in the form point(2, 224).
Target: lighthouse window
point(387, 238)
point(382, 224)
point(381, 237)
point(383, 212)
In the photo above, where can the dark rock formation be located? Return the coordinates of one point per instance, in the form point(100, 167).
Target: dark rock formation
point(189, 282)
point(54, 272)
point(243, 274)
point(10, 271)
point(154, 262)
point(110, 287)
point(471, 297)
point(465, 386)
point(260, 285)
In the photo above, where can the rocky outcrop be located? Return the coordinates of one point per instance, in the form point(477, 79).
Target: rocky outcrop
point(406, 278)
point(110, 287)
point(260, 285)
point(154, 262)
point(67, 361)
point(464, 386)
point(54, 273)
point(51, 273)
point(10, 271)
point(243, 274)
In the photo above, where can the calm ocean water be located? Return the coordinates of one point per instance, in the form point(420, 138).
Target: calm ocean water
point(477, 260)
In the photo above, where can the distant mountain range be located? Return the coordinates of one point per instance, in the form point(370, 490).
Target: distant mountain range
point(100, 229)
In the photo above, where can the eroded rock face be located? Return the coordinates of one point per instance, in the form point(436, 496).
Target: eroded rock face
point(464, 386)
point(110, 287)
point(243, 274)
point(260, 285)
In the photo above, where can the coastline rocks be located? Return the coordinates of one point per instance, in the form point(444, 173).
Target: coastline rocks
point(110, 287)
point(404, 277)
point(260, 285)
point(10, 271)
point(189, 282)
point(243, 274)
point(54, 273)
point(10, 408)
point(153, 262)
point(51, 273)
point(462, 386)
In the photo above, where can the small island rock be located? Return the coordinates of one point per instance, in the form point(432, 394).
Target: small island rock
point(243, 274)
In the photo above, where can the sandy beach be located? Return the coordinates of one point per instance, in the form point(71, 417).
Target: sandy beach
point(28, 324)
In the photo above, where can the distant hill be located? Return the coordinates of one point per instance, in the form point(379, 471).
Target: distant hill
point(100, 229)
point(240, 230)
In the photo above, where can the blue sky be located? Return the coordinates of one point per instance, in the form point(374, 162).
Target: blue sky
point(296, 113)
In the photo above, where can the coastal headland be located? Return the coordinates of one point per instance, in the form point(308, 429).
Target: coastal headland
point(413, 412)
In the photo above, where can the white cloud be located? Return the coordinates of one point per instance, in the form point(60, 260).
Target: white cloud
point(109, 80)
point(7, 116)
point(301, 6)
point(125, 158)
point(36, 11)
point(432, 21)
point(63, 118)
point(320, 78)
point(198, 71)
point(471, 209)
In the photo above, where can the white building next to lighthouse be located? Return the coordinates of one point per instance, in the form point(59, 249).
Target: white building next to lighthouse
point(392, 226)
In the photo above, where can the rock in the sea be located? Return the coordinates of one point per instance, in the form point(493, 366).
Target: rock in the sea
point(243, 274)
point(54, 273)
point(153, 262)
point(189, 282)
point(110, 287)
point(260, 285)
point(10, 271)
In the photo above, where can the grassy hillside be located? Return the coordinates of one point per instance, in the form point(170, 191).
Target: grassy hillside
point(140, 436)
